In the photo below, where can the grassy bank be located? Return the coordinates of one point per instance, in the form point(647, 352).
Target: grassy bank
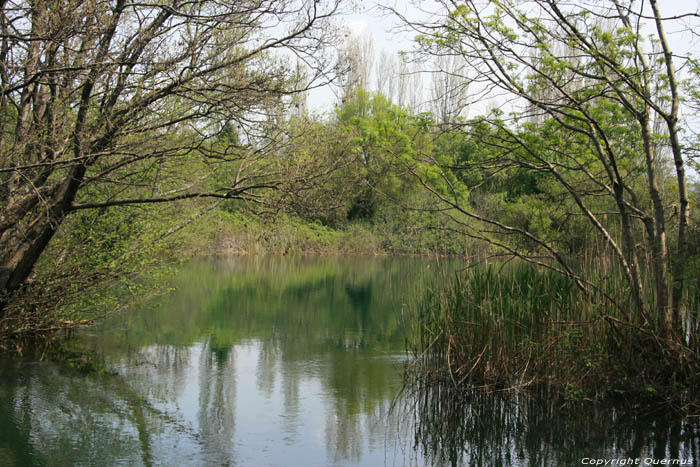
point(224, 232)
point(516, 326)
point(101, 261)
point(237, 233)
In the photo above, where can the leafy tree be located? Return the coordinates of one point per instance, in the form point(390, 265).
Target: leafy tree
point(596, 122)
point(385, 141)
point(113, 103)
point(322, 180)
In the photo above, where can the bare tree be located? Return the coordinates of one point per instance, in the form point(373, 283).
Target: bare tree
point(386, 75)
point(300, 94)
point(449, 88)
point(355, 61)
point(414, 98)
point(96, 95)
point(402, 82)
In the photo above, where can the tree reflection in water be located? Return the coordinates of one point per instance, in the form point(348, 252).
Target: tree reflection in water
point(291, 362)
point(249, 361)
point(475, 428)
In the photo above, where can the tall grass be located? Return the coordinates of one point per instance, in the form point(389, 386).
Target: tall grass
point(516, 326)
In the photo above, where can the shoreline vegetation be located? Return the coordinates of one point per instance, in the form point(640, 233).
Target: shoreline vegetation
point(513, 327)
point(136, 135)
point(499, 325)
point(502, 324)
point(82, 284)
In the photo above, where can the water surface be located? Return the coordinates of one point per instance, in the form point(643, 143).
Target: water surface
point(293, 362)
point(248, 361)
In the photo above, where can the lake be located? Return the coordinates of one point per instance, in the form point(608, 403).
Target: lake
point(264, 361)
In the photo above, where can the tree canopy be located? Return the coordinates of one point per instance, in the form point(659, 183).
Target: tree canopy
point(594, 131)
point(108, 103)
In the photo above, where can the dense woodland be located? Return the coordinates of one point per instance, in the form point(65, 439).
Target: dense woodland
point(560, 137)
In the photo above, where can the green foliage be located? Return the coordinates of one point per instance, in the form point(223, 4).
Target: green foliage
point(372, 154)
point(95, 265)
point(385, 141)
point(516, 326)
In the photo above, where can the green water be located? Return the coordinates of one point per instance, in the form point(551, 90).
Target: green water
point(248, 361)
point(289, 362)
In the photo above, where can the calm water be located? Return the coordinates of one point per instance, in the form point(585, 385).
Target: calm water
point(289, 362)
point(249, 361)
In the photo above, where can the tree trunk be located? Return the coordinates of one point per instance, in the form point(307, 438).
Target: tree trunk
point(23, 253)
point(659, 259)
point(680, 258)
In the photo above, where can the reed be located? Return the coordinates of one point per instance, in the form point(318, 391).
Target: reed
point(515, 326)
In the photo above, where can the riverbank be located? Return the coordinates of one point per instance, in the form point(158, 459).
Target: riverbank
point(493, 328)
point(226, 233)
point(516, 327)
point(73, 289)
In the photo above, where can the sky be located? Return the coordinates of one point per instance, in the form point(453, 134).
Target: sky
point(369, 18)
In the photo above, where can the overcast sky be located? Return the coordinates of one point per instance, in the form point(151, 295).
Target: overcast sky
point(369, 18)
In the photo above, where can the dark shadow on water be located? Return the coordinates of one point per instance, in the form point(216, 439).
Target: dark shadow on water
point(474, 428)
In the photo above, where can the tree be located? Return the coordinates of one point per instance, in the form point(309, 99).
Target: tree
point(110, 103)
point(402, 81)
point(355, 61)
point(383, 139)
point(414, 97)
point(386, 75)
point(322, 178)
point(611, 130)
point(449, 89)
